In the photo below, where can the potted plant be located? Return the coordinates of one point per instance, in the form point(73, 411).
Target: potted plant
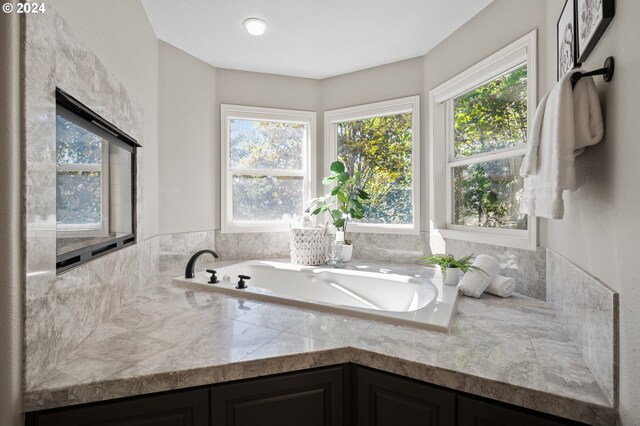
point(344, 202)
point(450, 267)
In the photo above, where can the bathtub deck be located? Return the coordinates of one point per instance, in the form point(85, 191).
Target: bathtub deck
point(512, 350)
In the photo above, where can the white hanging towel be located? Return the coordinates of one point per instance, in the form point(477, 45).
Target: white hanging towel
point(566, 122)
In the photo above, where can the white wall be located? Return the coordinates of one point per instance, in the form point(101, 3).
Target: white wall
point(119, 33)
point(188, 133)
point(600, 231)
point(10, 224)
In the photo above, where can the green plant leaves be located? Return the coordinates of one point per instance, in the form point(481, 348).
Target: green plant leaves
point(337, 167)
point(344, 196)
point(362, 194)
point(328, 180)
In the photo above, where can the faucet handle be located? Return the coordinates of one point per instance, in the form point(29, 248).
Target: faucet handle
point(213, 279)
point(241, 284)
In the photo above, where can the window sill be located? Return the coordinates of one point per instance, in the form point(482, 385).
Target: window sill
point(383, 229)
point(235, 229)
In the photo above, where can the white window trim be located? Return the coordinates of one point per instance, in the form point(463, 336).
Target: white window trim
point(523, 50)
point(377, 109)
point(227, 112)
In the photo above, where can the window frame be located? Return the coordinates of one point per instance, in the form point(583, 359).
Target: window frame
point(521, 52)
point(71, 230)
point(117, 137)
point(378, 109)
point(229, 112)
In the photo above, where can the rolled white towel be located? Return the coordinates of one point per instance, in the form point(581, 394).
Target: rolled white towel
point(501, 286)
point(475, 282)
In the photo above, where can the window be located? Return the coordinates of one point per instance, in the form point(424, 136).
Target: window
point(94, 184)
point(267, 168)
point(82, 176)
point(381, 141)
point(478, 140)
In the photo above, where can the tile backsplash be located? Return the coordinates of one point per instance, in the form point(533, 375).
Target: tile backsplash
point(400, 248)
point(176, 250)
point(63, 310)
point(526, 267)
point(588, 312)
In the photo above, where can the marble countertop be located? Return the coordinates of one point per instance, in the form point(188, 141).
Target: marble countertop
point(512, 350)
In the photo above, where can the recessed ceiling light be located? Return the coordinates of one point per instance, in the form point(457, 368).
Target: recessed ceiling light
point(255, 26)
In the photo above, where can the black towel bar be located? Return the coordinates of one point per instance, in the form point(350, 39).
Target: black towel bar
point(606, 72)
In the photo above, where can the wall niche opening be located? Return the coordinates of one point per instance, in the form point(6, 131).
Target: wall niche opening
point(95, 184)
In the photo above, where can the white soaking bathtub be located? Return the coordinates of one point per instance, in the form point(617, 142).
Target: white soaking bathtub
point(366, 291)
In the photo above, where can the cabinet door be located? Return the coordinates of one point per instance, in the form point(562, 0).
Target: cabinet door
point(310, 398)
point(182, 408)
point(388, 400)
point(475, 412)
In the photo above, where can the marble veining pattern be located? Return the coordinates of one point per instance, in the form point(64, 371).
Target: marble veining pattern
point(512, 350)
point(176, 249)
point(62, 311)
point(588, 312)
point(526, 267)
point(399, 248)
point(252, 245)
point(389, 247)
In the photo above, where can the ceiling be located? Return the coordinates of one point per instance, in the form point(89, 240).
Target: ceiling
point(308, 38)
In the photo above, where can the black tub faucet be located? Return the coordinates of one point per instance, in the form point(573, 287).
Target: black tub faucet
point(189, 273)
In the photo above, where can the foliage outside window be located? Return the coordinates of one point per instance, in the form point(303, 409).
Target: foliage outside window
point(95, 187)
point(478, 140)
point(379, 144)
point(81, 176)
point(489, 120)
point(266, 167)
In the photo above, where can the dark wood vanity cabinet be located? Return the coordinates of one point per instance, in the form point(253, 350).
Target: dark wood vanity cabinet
point(309, 398)
point(388, 400)
point(332, 396)
point(477, 412)
point(178, 408)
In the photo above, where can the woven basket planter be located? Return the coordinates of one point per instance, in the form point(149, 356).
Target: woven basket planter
point(308, 246)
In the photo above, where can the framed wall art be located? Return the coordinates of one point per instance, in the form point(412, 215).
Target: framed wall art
point(592, 19)
point(566, 41)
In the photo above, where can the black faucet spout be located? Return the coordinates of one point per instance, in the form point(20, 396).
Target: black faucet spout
point(189, 272)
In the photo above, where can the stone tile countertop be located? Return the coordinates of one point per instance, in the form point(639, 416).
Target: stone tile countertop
point(512, 350)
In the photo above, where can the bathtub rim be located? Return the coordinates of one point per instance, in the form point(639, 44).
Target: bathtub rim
point(428, 318)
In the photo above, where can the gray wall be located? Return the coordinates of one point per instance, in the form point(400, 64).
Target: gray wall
point(188, 131)
point(120, 35)
point(10, 224)
point(600, 232)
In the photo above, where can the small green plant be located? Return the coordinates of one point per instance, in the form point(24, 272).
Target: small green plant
point(345, 201)
point(446, 261)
